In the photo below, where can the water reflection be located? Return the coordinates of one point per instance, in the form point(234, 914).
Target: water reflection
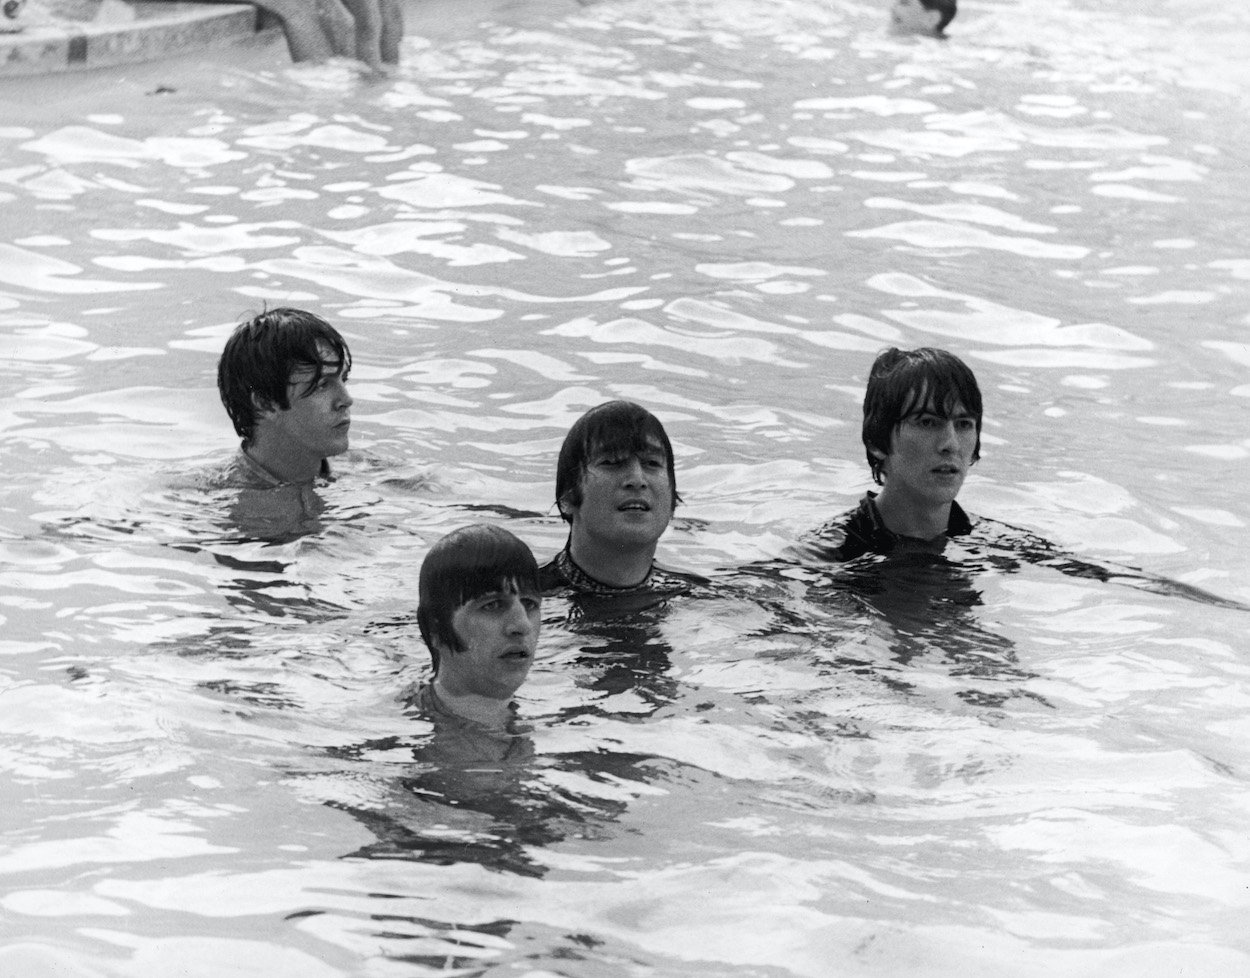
point(466, 795)
point(457, 792)
point(618, 654)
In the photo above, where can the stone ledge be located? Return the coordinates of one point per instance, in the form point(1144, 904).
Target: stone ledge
point(113, 32)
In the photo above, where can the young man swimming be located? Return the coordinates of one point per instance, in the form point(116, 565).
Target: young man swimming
point(921, 434)
point(922, 16)
point(616, 488)
point(479, 611)
point(283, 380)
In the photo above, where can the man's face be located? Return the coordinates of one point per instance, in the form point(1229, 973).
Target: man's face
point(627, 497)
point(319, 418)
point(499, 633)
point(930, 454)
point(911, 17)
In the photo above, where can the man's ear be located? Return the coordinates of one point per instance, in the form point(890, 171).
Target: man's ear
point(566, 506)
point(443, 646)
point(880, 458)
point(263, 406)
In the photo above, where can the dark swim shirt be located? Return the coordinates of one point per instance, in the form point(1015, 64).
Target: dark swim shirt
point(862, 531)
point(590, 598)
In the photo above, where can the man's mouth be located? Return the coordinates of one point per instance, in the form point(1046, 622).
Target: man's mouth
point(947, 470)
point(516, 654)
point(634, 505)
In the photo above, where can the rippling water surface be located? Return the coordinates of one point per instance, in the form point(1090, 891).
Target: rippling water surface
point(723, 210)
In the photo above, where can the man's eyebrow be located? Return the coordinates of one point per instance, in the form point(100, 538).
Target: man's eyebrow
point(321, 367)
point(936, 412)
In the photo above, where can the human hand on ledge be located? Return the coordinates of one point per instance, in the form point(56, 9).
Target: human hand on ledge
point(368, 30)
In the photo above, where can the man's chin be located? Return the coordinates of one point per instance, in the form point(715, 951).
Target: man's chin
point(640, 532)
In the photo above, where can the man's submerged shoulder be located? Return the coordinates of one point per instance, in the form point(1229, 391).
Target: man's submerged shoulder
point(675, 579)
point(245, 472)
point(241, 471)
point(549, 576)
point(857, 531)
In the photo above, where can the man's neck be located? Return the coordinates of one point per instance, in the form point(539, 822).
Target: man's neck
point(911, 517)
point(283, 462)
point(472, 706)
point(614, 566)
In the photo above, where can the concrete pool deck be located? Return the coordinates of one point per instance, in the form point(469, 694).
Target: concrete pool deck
point(72, 35)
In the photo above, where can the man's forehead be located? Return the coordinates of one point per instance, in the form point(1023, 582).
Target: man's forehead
point(502, 589)
point(926, 401)
point(328, 363)
point(626, 441)
point(950, 409)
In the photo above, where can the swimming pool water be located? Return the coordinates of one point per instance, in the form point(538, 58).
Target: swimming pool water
point(722, 210)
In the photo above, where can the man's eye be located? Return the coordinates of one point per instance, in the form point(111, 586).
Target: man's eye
point(531, 603)
point(966, 424)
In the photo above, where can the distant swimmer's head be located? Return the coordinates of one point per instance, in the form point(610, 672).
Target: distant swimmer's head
point(11, 19)
point(922, 16)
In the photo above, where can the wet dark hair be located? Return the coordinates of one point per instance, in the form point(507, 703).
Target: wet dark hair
point(262, 353)
point(465, 564)
point(907, 382)
point(614, 426)
point(947, 8)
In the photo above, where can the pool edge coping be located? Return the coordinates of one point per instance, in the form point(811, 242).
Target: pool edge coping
point(66, 46)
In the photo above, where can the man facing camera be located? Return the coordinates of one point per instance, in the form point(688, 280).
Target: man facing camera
point(921, 434)
point(479, 611)
point(616, 488)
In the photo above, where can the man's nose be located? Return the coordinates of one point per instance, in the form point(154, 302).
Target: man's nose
point(635, 474)
point(950, 436)
point(517, 620)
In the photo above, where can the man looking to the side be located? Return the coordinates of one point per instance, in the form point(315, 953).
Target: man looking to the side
point(616, 488)
point(283, 380)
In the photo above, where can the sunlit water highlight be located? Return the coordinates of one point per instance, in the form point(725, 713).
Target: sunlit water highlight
point(723, 210)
